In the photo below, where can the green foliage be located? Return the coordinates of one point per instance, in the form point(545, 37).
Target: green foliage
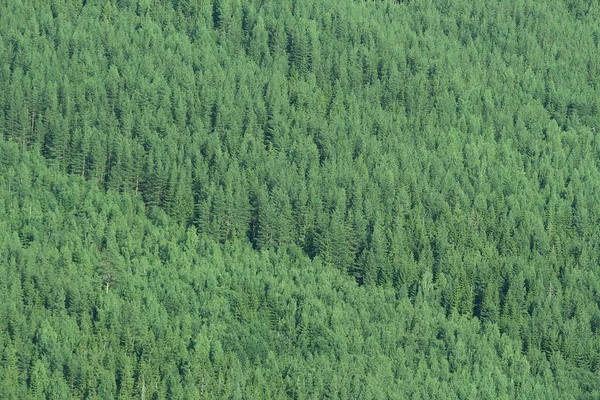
point(214, 199)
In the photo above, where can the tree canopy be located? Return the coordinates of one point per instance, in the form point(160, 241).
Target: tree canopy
point(315, 199)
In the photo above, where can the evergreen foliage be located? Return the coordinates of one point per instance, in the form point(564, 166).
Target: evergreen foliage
point(315, 199)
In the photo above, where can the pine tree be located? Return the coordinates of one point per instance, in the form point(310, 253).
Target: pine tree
point(39, 380)
point(179, 201)
point(489, 304)
point(258, 49)
point(80, 151)
point(299, 50)
point(110, 265)
point(9, 378)
point(376, 267)
point(266, 237)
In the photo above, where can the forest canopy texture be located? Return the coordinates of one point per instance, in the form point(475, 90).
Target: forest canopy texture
point(299, 199)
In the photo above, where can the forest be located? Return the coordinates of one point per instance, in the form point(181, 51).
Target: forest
point(317, 199)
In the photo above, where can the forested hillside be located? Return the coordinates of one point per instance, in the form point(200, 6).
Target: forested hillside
point(299, 199)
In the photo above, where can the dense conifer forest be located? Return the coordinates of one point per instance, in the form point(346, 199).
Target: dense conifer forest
point(307, 199)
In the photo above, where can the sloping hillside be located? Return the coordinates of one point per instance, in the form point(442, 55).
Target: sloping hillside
point(311, 199)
